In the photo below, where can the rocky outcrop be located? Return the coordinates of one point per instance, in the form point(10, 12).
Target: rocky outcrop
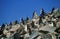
point(45, 26)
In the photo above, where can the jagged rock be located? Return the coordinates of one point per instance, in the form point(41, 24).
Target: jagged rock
point(45, 26)
point(57, 12)
point(33, 35)
point(47, 36)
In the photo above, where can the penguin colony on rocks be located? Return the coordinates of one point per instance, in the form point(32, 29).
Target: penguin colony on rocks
point(45, 26)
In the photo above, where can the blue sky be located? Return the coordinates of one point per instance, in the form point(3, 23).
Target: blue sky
point(11, 10)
